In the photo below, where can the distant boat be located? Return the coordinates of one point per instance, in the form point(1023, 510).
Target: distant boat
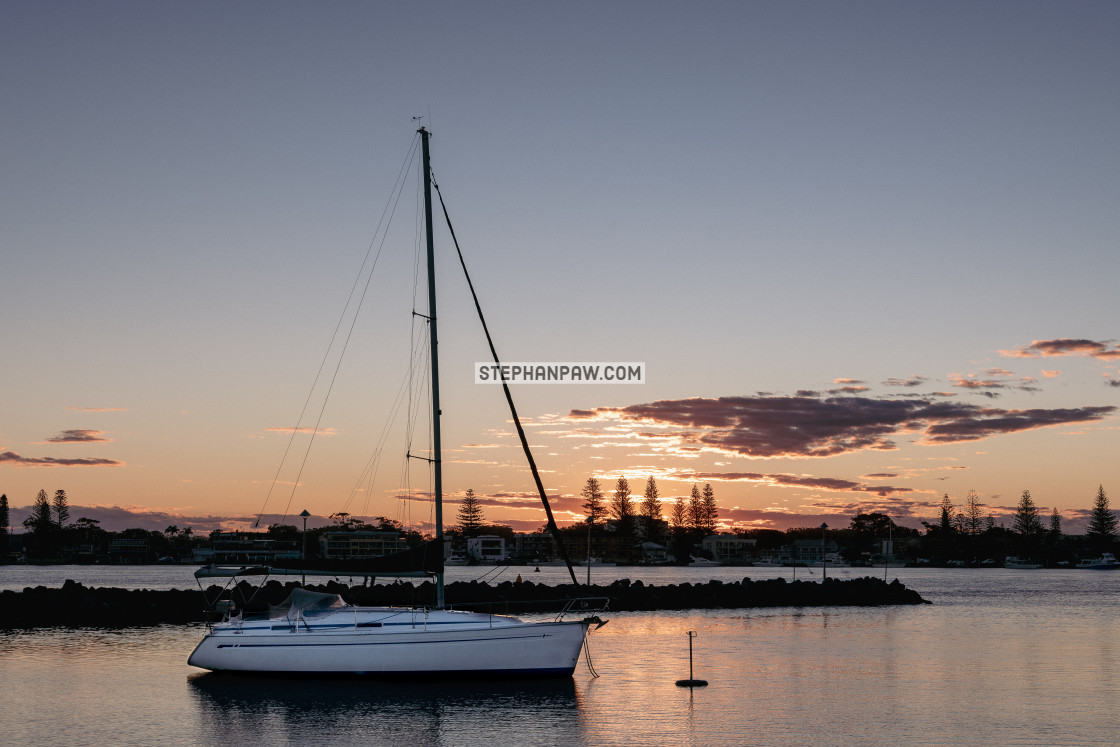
point(767, 563)
point(1025, 565)
point(595, 562)
point(1106, 562)
point(831, 560)
point(696, 562)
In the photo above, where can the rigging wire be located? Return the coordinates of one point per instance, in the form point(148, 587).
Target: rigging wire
point(555, 530)
point(387, 214)
point(369, 473)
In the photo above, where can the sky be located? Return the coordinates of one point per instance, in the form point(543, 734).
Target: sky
point(866, 251)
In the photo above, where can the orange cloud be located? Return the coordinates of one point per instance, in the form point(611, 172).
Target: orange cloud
point(318, 431)
point(79, 437)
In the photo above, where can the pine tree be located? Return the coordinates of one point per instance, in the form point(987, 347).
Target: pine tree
point(1102, 523)
point(470, 515)
point(5, 517)
point(651, 507)
point(695, 508)
point(39, 520)
point(973, 517)
point(592, 495)
point(61, 508)
point(621, 509)
point(946, 522)
point(1027, 523)
point(1055, 525)
point(711, 511)
point(678, 514)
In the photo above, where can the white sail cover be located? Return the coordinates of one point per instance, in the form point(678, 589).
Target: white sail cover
point(304, 603)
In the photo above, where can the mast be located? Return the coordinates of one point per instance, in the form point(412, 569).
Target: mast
point(437, 458)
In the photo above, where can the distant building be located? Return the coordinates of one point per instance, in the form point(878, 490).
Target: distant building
point(241, 547)
point(488, 548)
point(128, 551)
point(810, 551)
point(651, 552)
point(729, 549)
point(534, 547)
point(356, 545)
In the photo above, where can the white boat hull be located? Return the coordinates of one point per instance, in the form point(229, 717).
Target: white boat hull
point(395, 643)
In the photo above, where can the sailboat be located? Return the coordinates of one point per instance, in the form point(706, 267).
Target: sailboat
point(315, 633)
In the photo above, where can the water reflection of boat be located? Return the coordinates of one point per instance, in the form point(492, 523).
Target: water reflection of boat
point(266, 710)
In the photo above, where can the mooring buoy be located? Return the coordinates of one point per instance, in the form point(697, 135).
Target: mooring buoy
point(690, 682)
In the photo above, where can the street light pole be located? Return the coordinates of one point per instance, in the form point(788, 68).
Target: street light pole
point(303, 553)
point(824, 561)
point(589, 525)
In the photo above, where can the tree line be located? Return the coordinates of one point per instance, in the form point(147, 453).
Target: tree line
point(966, 532)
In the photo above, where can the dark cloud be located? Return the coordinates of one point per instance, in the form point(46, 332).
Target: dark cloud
point(988, 387)
point(1106, 350)
point(991, 422)
point(79, 437)
point(811, 426)
point(912, 381)
point(799, 481)
point(8, 457)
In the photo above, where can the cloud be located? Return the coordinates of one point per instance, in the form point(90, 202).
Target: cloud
point(830, 484)
point(305, 429)
point(811, 426)
point(8, 457)
point(98, 409)
point(971, 382)
point(79, 437)
point(912, 381)
point(991, 422)
point(987, 387)
point(1051, 374)
point(1106, 350)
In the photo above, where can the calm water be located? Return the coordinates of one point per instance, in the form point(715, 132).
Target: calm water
point(1002, 658)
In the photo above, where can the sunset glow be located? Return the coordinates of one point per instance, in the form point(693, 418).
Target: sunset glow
point(857, 279)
